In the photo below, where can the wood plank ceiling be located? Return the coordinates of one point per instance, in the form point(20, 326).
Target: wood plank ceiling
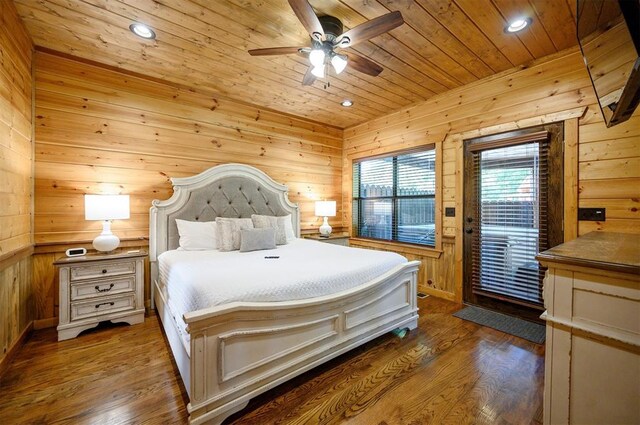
point(203, 44)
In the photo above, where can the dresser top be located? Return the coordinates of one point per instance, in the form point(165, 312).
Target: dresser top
point(616, 252)
point(95, 256)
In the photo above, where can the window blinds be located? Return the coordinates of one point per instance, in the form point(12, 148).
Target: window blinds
point(510, 223)
point(394, 197)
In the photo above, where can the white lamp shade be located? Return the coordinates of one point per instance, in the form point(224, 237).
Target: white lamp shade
point(106, 207)
point(326, 208)
point(339, 63)
point(316, 57)
point(318, 71)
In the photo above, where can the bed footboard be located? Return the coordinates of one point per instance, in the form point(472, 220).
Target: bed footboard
point(243, 349)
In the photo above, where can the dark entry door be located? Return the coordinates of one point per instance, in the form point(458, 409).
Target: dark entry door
point(512, 211)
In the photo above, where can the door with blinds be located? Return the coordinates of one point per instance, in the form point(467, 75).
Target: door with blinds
point(512, 211)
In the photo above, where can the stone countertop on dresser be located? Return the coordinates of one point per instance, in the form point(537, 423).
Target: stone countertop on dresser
point(615, 252)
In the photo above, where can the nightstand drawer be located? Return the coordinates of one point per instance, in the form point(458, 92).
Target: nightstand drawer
point(92, 271)
point(102, 287)
point(93, 308)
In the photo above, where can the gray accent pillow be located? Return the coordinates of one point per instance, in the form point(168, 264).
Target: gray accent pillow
point(229, 232)
point(257, 239)
point(278, 223)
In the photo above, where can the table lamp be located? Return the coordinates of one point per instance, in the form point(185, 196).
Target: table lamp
point(325, 209)
point(106, 208)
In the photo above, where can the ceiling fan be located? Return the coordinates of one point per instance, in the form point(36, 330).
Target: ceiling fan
point(327, 36)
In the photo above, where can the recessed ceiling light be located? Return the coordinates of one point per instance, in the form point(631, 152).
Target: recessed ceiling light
point(142, 30)
point(518, 24)
point(347, 103)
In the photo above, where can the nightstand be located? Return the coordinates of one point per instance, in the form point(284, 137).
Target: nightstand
point(99, 287)
point(337, 239)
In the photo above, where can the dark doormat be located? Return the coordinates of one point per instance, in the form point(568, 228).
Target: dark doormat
point(512, 325)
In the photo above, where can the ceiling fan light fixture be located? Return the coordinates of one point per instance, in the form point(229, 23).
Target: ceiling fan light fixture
point(339, 63)
point(142, 30)
point(318, 71)
point(518, 25)
point(327, 34)
point(316, 57)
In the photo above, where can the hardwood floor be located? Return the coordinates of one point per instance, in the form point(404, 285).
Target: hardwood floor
point(448, 371)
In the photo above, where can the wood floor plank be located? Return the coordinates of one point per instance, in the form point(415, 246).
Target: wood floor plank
point(448, 371)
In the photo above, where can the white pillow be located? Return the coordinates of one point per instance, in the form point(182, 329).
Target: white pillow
point(282, 224)
point(229, 232)
point(197, 235)
point(276, 223)
point(288, 228)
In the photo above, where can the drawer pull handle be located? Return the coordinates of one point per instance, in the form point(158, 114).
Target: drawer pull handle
point(104, 271)
point(105, 289)
point(107, 303)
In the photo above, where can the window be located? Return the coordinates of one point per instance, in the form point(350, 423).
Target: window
point(394, 197)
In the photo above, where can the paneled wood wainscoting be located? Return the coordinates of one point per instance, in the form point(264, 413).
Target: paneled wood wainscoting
point(16, 305)
point(436, 273)
point(446, 371)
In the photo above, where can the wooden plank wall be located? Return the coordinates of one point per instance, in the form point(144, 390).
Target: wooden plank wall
point(103, 131)
point(16, 172)
point(551, 89)
point(99, 130)
point(609, 172)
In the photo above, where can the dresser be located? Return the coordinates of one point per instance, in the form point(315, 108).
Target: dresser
point(592, 356)
point(100, 287)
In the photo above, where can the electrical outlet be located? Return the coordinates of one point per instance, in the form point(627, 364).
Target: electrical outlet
point(592, 214)
point(449, 212)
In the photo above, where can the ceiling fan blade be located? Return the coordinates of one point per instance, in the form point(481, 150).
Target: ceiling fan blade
point(270, 51)
point(308, 18)
point(308, 78)
point(364, 65)
point(370, 29)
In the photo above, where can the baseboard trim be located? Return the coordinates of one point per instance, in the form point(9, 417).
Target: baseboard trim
point(51, 322)
point(5, 362)
point(438, 293)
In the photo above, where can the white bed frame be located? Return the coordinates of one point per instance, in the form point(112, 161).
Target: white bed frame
point(240, 350)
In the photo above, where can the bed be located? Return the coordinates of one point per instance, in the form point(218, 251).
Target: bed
point(230, 350)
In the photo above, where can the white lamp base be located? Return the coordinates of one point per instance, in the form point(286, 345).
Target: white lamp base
point(106, 241)
point(325, 229)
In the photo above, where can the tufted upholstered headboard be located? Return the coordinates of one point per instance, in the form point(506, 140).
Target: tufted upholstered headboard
point(230, 190)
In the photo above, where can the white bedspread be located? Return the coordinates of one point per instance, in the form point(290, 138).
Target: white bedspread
point(198, 279)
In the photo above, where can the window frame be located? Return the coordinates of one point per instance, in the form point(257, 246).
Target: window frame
point(428, 250)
